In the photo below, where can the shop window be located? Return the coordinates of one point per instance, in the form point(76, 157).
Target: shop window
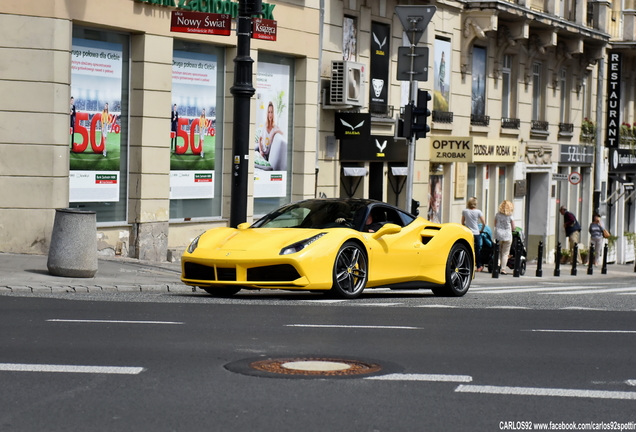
point(98, 143)
point(274, 132)
point(564, 93)
point(471, 180)
point(196, 134)
point(501, 190)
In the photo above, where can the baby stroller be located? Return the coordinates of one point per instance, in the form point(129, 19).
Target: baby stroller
point(517, 244)
point(487, 248)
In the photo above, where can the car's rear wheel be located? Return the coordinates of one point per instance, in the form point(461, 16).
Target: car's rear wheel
point(459, 272)
point(350, 271)
point(221, 291)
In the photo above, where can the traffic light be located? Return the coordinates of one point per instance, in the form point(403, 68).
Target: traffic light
point(415, 117)
point(421, 113)
point(415, 205)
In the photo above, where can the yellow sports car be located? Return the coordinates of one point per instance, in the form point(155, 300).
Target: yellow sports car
point(338, 245)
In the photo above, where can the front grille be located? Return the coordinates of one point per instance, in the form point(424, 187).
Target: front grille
point(198, 272)
point(226, 274)
point(274, 273)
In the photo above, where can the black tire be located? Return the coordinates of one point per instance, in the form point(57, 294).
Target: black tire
point(222, 291)
point(522, 268)
point(350, 271)
point(459, 272)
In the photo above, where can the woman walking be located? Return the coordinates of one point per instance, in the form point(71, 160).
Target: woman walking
point(597, 239)
point(471, 217)
point(504, 225)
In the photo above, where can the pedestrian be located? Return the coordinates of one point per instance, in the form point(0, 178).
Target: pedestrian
point(596, 237)
point(504, 225)
point(572, 232)
point(174, 127)
point(471, 216)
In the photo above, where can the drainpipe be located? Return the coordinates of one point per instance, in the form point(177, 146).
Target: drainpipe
point(319, 95)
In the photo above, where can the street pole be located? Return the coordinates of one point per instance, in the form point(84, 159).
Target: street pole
point(411, 153)
point(242, 90)
point(598, 156)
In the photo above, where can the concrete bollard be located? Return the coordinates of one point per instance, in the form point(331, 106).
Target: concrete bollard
point(73, 250)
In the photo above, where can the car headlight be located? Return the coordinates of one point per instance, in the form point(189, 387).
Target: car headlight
point(194, 244)
point(298, 246)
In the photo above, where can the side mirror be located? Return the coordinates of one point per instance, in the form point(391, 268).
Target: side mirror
point(243, 226)
point(387, 229)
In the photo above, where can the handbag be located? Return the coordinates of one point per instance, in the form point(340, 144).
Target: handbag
point(606, 233)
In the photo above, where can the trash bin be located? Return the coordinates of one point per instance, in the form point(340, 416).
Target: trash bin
point(73, 250)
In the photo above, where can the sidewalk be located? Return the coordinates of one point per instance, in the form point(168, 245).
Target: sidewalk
point(28, 273)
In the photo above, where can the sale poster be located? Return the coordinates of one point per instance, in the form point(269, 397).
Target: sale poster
point(95, 121)
point(193, 125)
point(272, 124)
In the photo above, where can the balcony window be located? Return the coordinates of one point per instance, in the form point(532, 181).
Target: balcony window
point(442, 116)
point(479, 120)
point(510, 123)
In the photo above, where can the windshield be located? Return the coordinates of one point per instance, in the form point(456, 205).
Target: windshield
point(316, 214)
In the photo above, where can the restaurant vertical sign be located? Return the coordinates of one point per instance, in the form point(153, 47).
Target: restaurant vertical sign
point(613, 100)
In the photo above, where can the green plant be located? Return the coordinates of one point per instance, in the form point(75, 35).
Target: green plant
point(631, 238)
point(584, 253)
point(565, 255)
point(611, 242)
point(588, 131)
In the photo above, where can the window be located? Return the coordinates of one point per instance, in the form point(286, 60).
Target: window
point(98, 176)
point(478, 96)
point(536, 92)
point(501, 187)
point(196, 149)
point(563, 87)
point(471, 179)
point(349, 39)
point(506, 86)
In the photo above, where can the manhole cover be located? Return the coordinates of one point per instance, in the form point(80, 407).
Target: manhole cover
point(310, 367)
point(315, 366)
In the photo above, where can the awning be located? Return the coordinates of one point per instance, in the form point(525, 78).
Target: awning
point(399, 171)
point(617, 178)
point(354, 171)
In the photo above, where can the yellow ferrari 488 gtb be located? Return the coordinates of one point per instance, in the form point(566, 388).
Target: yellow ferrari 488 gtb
point(338, 245)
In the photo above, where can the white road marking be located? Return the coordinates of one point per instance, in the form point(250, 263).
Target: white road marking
point(522, 290)
point(422, 377)
point(581, 308)
point(507, 307)
point(22, 367)
point(325, 301)
point(533, 391)
point(596, 291)
point(114, 321)
point(378, 304)
point(437, 306)
point(583, 331)
point(353, 326)
point(631, 382)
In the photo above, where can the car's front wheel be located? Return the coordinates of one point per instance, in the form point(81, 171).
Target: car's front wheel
point(459, 272)
point(350, 271)
point(221, 291)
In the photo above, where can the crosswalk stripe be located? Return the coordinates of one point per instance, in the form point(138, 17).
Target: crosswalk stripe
point(597, 291)
point(22, 367)
point(508, 290)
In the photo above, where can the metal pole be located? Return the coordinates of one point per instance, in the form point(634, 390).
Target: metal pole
point(413, 139)
point(495, 259)
point(539, 272)
point(591, 258)
point(242, 90)
point(557, 260)
point(575, 254)
point(517, 270)
point(598, 157)
point(604, 267)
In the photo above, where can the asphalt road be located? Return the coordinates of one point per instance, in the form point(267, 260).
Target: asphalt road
point(512, 351)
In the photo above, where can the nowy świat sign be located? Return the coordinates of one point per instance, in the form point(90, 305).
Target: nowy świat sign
point(209, 6)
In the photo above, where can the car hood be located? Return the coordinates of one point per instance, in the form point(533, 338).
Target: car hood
point(254, 238)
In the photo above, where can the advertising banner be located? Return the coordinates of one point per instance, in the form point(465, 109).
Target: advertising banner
point(614, 68)
point(352, 126)
point(272, 124)
point(380, 59)
point(193, 125)
point(377, 148)
point(442, 69)
point(95, 124)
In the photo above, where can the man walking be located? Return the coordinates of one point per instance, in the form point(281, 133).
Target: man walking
point(572, 231)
